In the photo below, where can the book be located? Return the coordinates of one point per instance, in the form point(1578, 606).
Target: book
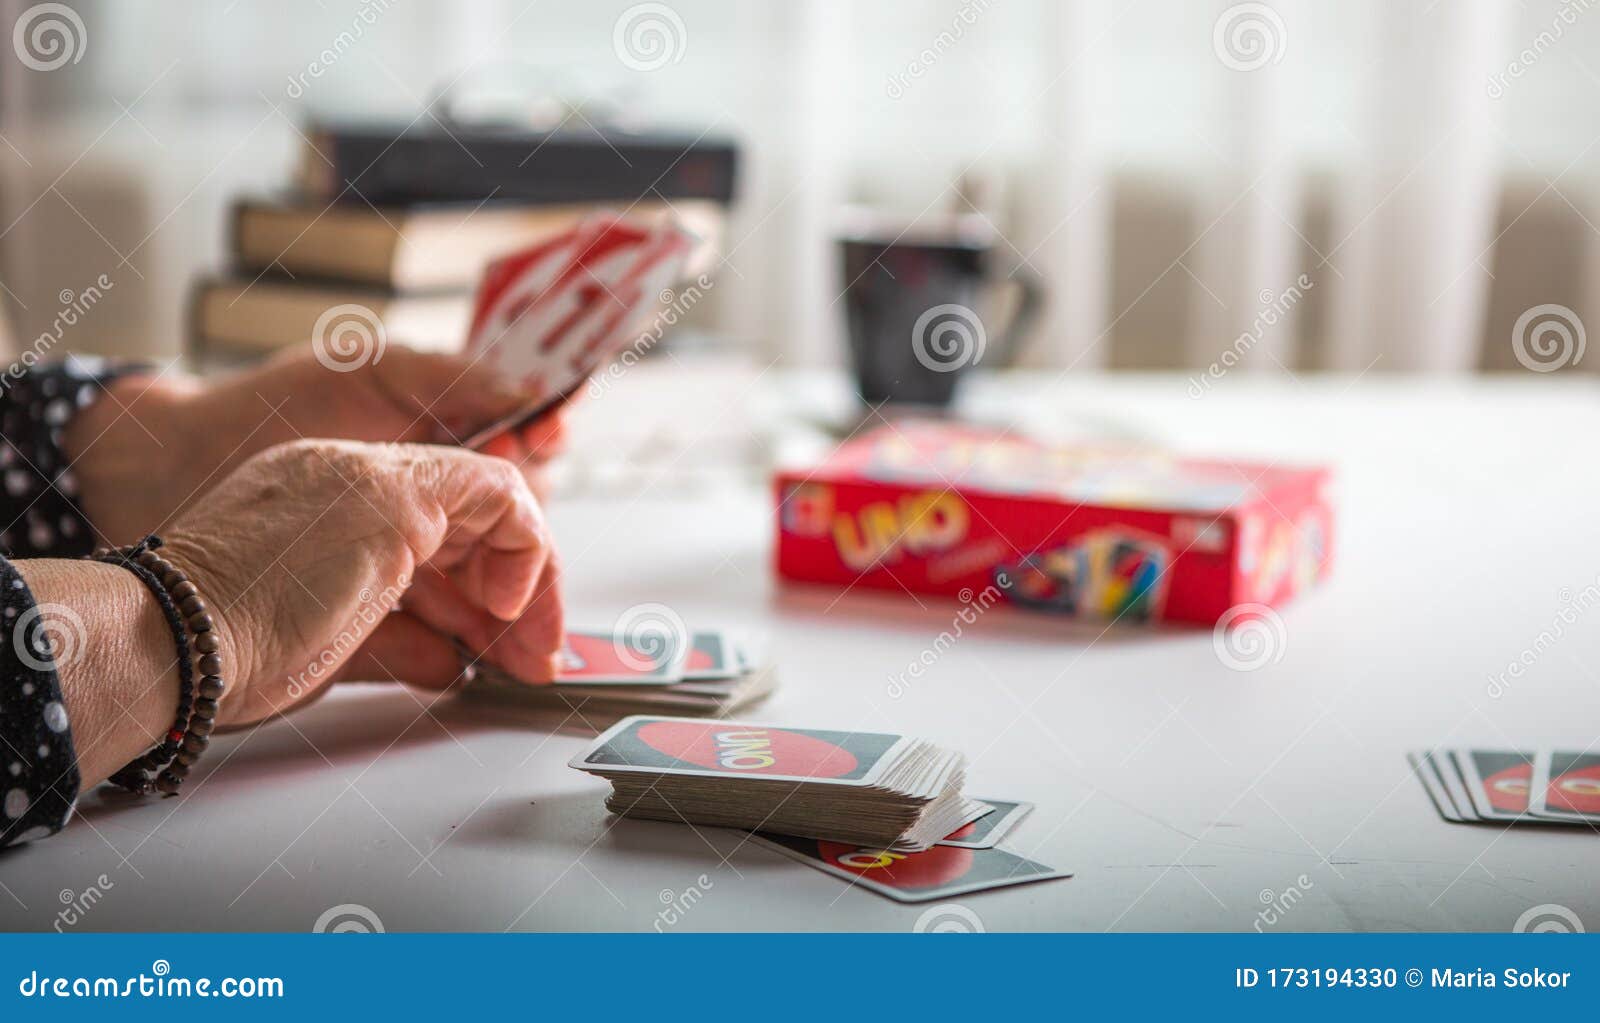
point(390, 165)
point(265, 314)
point(424, 247)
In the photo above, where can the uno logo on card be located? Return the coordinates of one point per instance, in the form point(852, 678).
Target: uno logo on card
point(741, 750)
point(917, 523)
point(937, 866)
point(1508, 789)
point(1577, 790)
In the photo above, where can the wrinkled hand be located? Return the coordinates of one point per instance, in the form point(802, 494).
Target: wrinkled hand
point(186, 434)
point(305, 550)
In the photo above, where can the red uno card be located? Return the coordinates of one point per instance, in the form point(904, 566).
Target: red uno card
point(695, 746)
point(552, 314)
point(1566, 786)
point(712, 656)
point(938, 873)
point(1497, 780)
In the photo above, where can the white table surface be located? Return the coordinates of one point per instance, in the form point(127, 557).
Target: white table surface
point(1184, 795)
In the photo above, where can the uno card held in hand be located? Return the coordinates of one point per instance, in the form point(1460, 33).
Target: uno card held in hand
point(938, 873)
point(552, 314)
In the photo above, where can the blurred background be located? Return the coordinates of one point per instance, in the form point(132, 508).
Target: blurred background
point(1168, 169)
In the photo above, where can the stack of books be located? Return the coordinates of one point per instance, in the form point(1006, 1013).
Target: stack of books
point(401, 223)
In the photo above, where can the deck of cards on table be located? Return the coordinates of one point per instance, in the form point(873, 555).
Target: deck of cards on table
point(861, 787)
point(1472, 786)
point(884, 812)
point(608, 674)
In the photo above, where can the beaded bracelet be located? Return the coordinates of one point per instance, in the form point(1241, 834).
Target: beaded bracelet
point(186, 615)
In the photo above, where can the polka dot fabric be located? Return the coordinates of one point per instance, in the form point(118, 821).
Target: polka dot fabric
point(39, 513)
point(39, 517)
point(38, 766)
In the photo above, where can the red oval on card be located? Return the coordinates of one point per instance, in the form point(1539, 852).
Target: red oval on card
point(1508, 789)
point(739, 749)
point(598, 655)
point(699, 660)
point(937, 866)
point(1578, 791)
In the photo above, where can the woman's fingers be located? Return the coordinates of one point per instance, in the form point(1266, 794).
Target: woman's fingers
point(404, 649)
point(451, 396)
point(525, 648)
point(495, 542)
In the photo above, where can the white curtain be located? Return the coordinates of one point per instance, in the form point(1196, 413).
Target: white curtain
point(1171, 168)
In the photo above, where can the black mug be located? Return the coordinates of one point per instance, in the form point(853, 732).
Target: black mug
point(916, 308)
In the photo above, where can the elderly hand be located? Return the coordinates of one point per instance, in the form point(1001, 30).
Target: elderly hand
point(304, 552)
point(148, 450)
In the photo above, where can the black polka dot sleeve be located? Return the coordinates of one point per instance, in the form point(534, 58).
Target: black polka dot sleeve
point(39, 517)
point(39, 513)
point(38, 766)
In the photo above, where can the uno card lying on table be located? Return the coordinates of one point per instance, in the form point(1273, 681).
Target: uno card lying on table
point(1566, 786)
point(1422, 763)
point(987, 831)
point(717, 749)
point(549, 316)
point(1480, 786)
point(621, 659)
point(1497, 781)
point(938, 873)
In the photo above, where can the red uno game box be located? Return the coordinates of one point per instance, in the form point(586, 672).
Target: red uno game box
point(1082, 531)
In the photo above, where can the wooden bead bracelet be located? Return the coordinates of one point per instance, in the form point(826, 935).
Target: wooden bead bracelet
point(170, 759)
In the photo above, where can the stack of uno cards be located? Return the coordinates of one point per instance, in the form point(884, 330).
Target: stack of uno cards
point(1470, 786)
point(551, 315)
point(608, 675)
point(864, 788)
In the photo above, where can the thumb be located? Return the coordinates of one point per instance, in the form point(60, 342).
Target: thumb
point(452, 395)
